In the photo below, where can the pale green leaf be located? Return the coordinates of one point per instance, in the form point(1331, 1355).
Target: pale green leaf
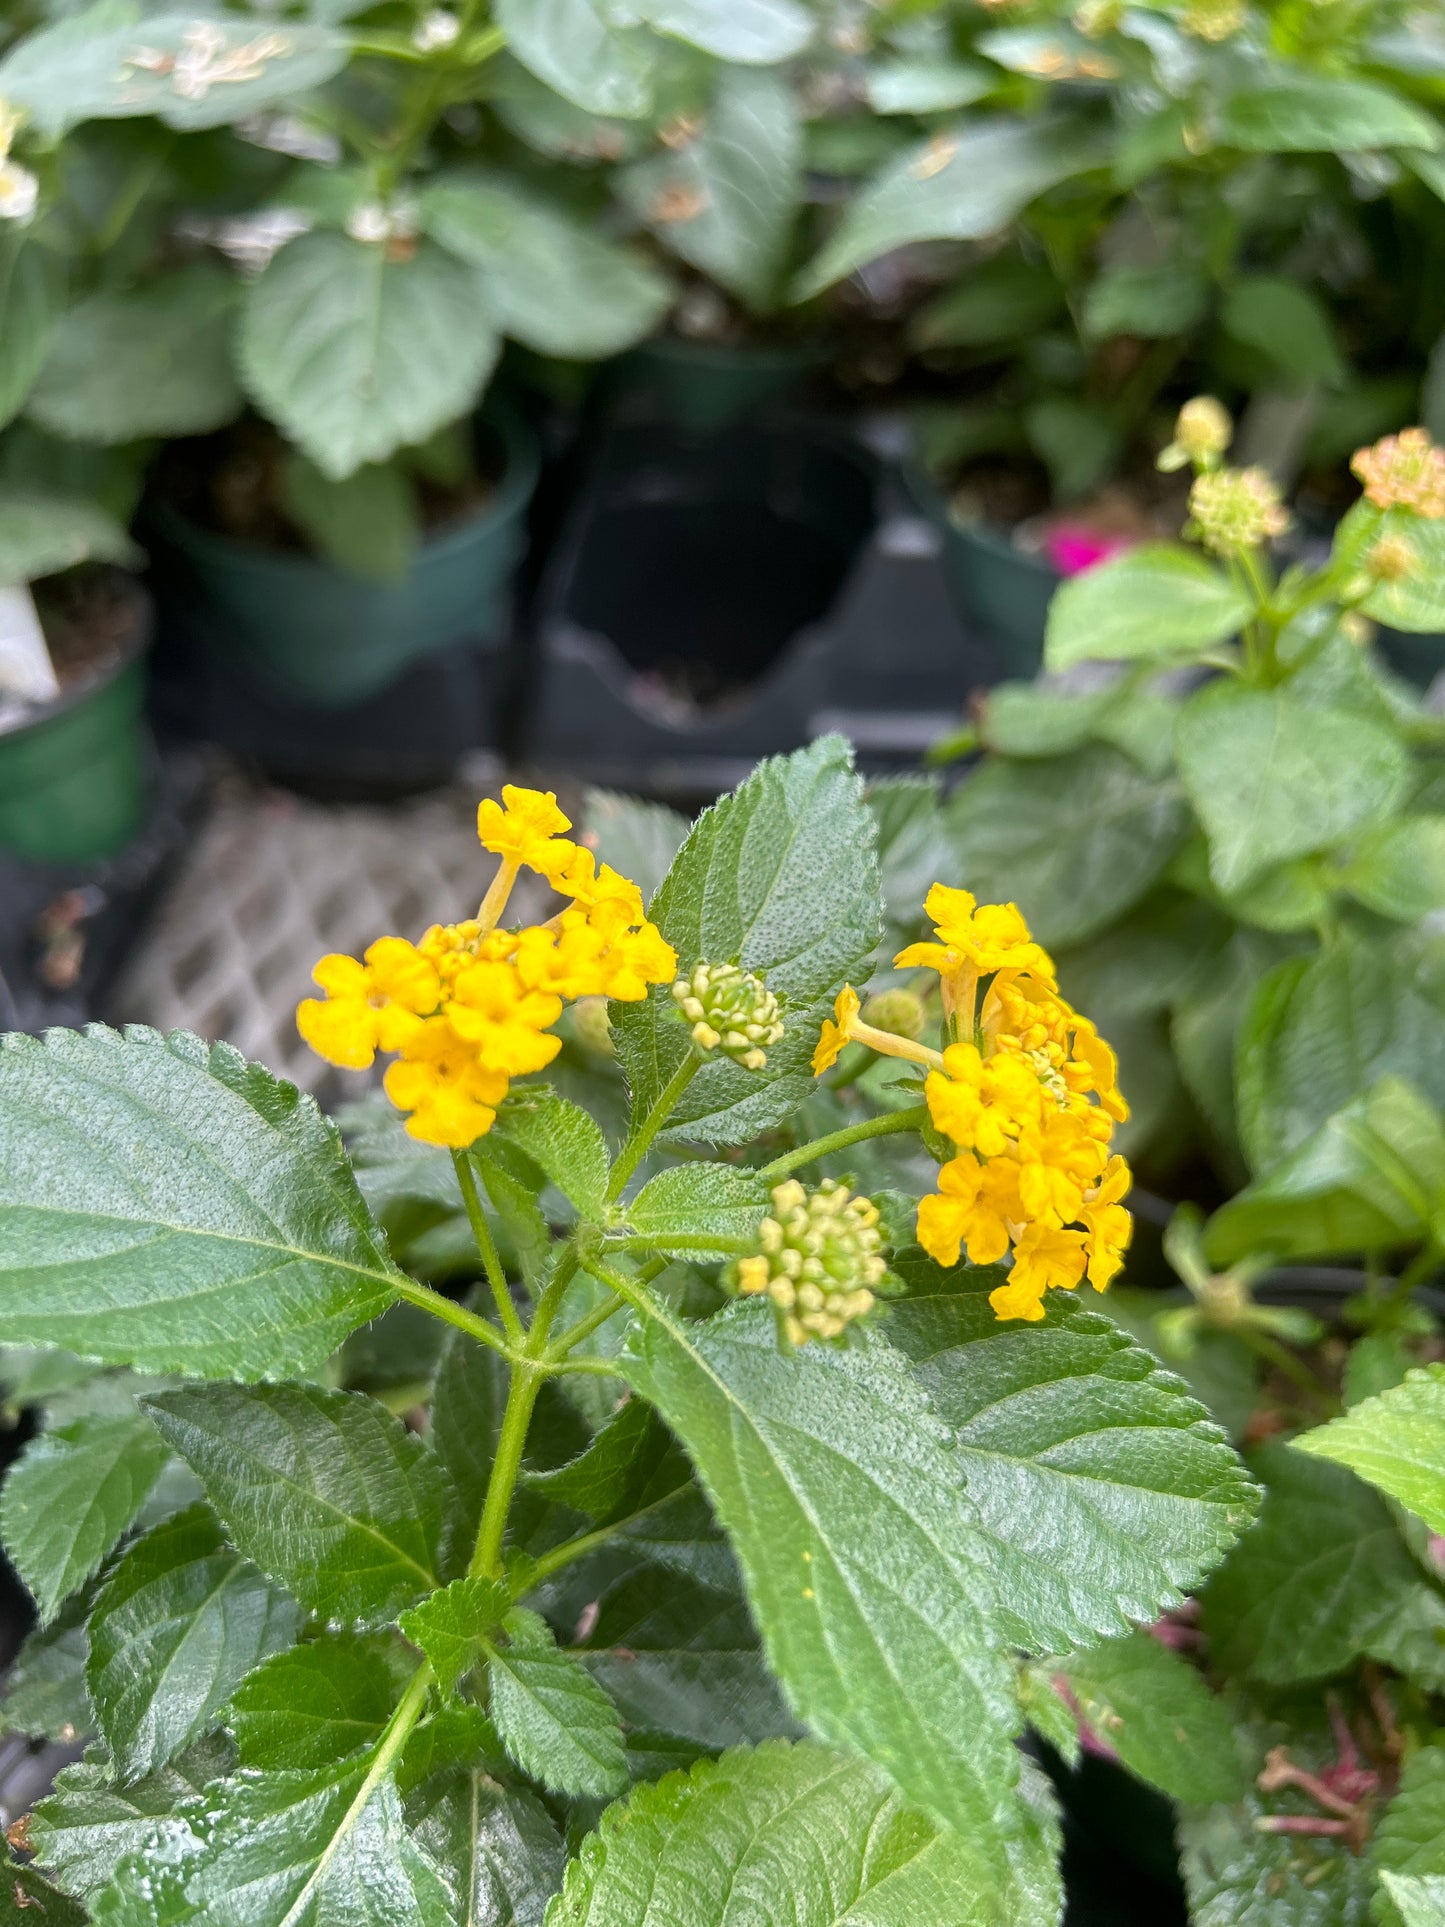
point(30, 305)
point(1283, 321)
point(497, 1846)
point(553, 1718)
point(780, 877)
point(549, 280)
point(70, 1497)
point(1419, 1899)
point(755, 32)
point(1416, 603)
point(314, 1704)
point(562, 1139)
point(1075, 843)
point(167, 1205)
point(698, 1210)
point(355, 354)
point(42, 533)
point(451, 1626)
point(1103, 1489)
point(1395, 1441)
point(1409, 1842)
point(1154, 1710)
point(727, 200)
point(325, 1491)
point(637, 838)
point(175, 1629)
point(154, 360)
point(1302, 1595)
point(795, 1836)
point(45, 1696)
point(862, 1554)
point(1304, 113)
point(367, 523)
point(573, 46)
point(1274, 779)
point(927, 86)
point(960, 185)
point(1151, 601)
point(87, 1824)
point(1398, 870)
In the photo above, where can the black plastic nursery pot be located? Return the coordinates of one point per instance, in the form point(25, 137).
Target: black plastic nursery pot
point(705, 385)
point(999, 589)
point(75, 776)
point(1418, 659)
point(713, 600)
point(308, 632)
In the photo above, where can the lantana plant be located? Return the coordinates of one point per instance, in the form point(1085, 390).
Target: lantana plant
point(720, 1549)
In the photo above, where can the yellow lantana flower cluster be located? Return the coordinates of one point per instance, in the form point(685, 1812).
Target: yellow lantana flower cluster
point(1027, 1092)
point(472, 1006)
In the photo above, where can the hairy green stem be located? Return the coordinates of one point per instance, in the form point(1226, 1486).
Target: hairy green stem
point(565, 1555)
point(487, 1246)
point(511, 1442)
point(638, 1145)
point(912, 1119)
point(426, 1299)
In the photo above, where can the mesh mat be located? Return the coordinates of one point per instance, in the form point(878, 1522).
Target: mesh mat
point(273, 882)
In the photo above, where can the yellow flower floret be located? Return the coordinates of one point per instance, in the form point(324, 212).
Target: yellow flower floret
point(472, 1006)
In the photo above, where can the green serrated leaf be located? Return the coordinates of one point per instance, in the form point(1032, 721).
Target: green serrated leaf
point(45, 1696)
point(1153, 601)
point(324, 1491)
point(314, 1704)
point(1075, 843)
point(562, 1140)
point(613, 1475)
point(1154, 1710)
point(125, 364)
point(170, 1206)
point(1273, 779)
point(698, 1210)
point(860, 1550)
point(88, 1824)
point(812, 1830)
point(513, 1184)
point(1303, 1593)
point(781, 878)
point(176, 1627)
point(25, 1893)
point(1410, 1839)
point(1103, 1489)
point(555, 1721)
point(1395, 1441)
point(498, 1846)
point(452, 1626)
point(70, 1497)
point(355, 354)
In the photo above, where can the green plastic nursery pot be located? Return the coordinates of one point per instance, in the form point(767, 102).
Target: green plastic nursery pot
point(703, 385)
point(322, 635)
point(999, 591)
point(74, 781)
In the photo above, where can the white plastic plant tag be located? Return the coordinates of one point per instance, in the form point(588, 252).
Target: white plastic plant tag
point(26, 671)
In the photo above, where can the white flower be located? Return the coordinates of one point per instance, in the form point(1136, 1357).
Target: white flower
point(436, 29)
point(19, 191)
point(371, 222)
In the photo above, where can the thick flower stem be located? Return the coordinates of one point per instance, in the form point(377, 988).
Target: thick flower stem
point(637, 1146)
point(527, 1380)
point(486, 1245)
point(912, 1119)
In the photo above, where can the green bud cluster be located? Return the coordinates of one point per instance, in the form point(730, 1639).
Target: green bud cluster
point(730, 1010)
point(820, 1260)
point(1236, 508)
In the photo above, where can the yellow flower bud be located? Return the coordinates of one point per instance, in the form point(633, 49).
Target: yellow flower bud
point(820, 1260)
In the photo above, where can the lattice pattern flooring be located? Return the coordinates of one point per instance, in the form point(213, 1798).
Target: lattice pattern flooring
point(272, 883)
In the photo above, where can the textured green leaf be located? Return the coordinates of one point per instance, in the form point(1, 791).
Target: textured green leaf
point(451, 1626)
point(30, 305)
point(550, 281)
point(325, 1491)
point(45, 1694)
point(354, 354)
point(1396, 1442)
point(1398, 869)
point(562, 1140)
point(862, 1554)
point(607, 1480)
point(1416, 602)
point(1104, 1490)
point(798, 1835)
point(469, 1395)
point(1412, 1640)
point(314, 1704)
point(555, 1721)
point(496, 1845)
point(42, 533)
point(176, 1627)
point(1152, 601)
point(80, 1831)
point(1302, 1594)
point(1410, 1839)
point(779, 877)
point(1075, 844)
point(173, 1207)
point(574, 48)
point(1419, 1900)
point(150, 361)
point(1321, 1030)
point(752, 31)
point(727, 200)
point(698, 1210)
point(1274, 779)
point(511, 1182)
point(957, 186)
point(71, 1496)
point(1155, 1711)
point(1305, 113)
point(25, 1893)
point(1369, 1180)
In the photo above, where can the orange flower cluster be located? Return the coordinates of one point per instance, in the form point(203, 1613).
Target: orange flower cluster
point(471, 1006)
point(1404, 471)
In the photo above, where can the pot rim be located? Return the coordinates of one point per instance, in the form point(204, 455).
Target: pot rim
point(134, 647)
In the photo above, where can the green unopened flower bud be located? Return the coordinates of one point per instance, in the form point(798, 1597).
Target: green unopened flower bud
point(819, 1260)
point(730, 1010)
point(1202, 432)
point(1391, 559)
point(590, 1026)
point(897, 1010)
point(1236, 508)
point(1213, 20)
